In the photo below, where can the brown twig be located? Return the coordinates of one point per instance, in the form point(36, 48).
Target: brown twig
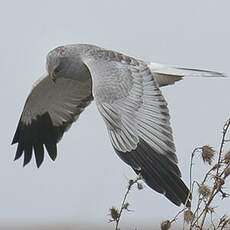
point(176, 216)
point(218, 177)
point(216, 187)
point(124, 204)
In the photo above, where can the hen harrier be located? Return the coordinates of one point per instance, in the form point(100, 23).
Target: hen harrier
point(127, 95)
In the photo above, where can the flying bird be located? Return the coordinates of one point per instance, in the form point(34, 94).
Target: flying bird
point(128, 96)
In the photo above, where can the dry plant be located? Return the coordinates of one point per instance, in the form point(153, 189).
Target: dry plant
point(115, 213)
point(208, 189)
point(202, 214)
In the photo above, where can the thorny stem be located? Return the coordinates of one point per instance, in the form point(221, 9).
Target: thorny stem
point(223, 222)
point(198, 207)
point(215, 189)
point(211, 217)
point(217, 186)
point(175, 217)
point(221, 174)
point(205, 210)
point(225, 130)
point(196, 213)
point(131, 183)
point(190, 169)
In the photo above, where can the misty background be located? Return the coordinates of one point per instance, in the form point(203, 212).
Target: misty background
point(87, 177)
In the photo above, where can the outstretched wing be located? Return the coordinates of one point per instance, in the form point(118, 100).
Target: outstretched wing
point(137, 119)
point(49, 111)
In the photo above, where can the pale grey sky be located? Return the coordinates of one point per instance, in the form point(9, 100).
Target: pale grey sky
point(87, 177)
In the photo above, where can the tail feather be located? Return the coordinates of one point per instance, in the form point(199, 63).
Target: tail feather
point(167, 75)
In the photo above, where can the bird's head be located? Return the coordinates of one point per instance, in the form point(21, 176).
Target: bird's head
point(65, 62)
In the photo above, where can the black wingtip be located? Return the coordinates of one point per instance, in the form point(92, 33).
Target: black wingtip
point(13, 142)
point(19, 151)
point(159, 173)
point(34, 136)
point(39, 154)
point(16, 135)
point(52, 150)
point(39, 161)
point(27, 155)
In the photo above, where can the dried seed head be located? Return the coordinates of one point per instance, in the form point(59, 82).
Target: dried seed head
point(227, 157)
point(114, 213)
point(207, 154)
point(165, 225)
point(227, 172)
point(204, 190)
point(188, 216)
point(139, 186)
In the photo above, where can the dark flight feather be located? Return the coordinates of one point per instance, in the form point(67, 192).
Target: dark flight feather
point(160, 173)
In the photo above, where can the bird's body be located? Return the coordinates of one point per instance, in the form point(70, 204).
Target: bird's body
point(128, 97)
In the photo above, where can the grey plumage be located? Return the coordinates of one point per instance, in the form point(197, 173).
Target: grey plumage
point(128, 97)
